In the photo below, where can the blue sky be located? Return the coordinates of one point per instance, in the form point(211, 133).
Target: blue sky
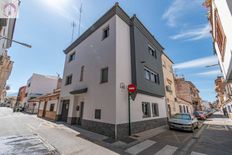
point(181, 26)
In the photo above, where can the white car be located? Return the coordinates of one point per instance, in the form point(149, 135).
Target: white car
point(183, 121)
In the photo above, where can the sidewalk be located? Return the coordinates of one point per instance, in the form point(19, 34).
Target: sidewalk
point(218, 119)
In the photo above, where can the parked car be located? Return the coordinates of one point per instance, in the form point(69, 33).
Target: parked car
point(183, 121)
point(199, 115)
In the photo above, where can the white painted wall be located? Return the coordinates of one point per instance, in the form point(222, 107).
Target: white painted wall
point(40, 84)
point(226, 20)
point(95, 54)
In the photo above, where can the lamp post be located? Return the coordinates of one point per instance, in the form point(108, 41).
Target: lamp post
point(23, 44)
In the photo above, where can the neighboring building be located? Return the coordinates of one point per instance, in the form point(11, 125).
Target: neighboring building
point(113, 53)
point(38, 85)
point(21, 96)
point(170, 92)
point(48, 103)
point(7, 30)
point(220, 91)
point(224, 95)
point(220, 18)
point(188, 92)
point(10, 101)
point(184, 106)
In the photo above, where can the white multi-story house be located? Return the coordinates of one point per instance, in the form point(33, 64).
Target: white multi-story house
point(114, 52)
point(36, 86)
point(220, 18)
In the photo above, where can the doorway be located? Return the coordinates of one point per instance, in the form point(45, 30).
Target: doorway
point(44, 109)
point(65, 108)
point(81, 113)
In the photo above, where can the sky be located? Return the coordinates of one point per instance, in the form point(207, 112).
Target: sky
point(181, 27)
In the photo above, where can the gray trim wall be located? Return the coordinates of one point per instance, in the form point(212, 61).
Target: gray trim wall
point(122, 129)
point(141, 58)
point(229, 3)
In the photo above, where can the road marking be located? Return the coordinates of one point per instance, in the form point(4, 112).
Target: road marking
point(140, 147)
point(197, 153)
point(167, 150)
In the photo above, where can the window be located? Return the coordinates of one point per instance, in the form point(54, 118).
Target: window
point(164, 64)
point(155, 109)
point(104, 75)
point(146, 109)
point(71, 57)
point(151, 76)
point(184, 109)
point(26, 95)
point(68, 80)
point(82, 73)
point(180, 107)
point(168, 88)
point(29, 84)
point(152, 52)
point(187, 109)
point(220, 37)
point(52, 106)
point(105, 32)
point(97, 113)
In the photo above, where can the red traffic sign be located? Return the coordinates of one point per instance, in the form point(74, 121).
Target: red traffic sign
point(132, 88)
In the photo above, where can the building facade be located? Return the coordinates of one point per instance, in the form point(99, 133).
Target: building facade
point(48, 103)
point(113, 53)
point(21, 96)
point(170, 91)
point(38, 85)
point(7, 30)
point(188, 92)
point(220, 18)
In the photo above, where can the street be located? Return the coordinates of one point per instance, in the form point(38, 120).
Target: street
point(26, 134)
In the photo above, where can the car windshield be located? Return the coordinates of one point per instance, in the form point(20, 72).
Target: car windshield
point(182, 116)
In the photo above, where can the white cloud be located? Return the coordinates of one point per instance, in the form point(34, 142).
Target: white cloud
point(177, 8)
point(209, 73)
point(194, 34)
point(201, 62)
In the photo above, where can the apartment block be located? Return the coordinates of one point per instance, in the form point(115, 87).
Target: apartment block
point(187, 91)
point(117, 50)
point(169, 82)
point(38, 85)
point(220, 19)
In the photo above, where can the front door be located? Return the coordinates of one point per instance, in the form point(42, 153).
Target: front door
point(169, 111)
point(44, 109)
point(65, 107)
point(81, 113)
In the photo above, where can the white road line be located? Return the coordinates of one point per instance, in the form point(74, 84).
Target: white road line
point(167, 150)
point(140, 147)
point(197, 153)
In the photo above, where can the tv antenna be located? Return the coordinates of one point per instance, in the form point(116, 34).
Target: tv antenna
point(73, 30)
point(79, 28)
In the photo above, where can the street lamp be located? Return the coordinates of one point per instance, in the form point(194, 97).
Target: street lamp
point(23, 44)
point(212, 65)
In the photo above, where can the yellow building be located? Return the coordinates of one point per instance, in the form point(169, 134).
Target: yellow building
point(170, 93)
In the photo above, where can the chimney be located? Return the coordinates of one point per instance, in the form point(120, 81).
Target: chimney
point(59, 82)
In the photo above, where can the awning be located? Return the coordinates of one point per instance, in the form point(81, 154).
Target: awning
point(79, 91)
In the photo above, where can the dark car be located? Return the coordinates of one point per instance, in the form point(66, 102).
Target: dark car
point(199, 115)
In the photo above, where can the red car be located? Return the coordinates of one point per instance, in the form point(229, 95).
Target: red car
point(199, 115)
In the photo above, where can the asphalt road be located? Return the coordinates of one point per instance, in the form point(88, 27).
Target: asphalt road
point(213, 138)
point(24, 134)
